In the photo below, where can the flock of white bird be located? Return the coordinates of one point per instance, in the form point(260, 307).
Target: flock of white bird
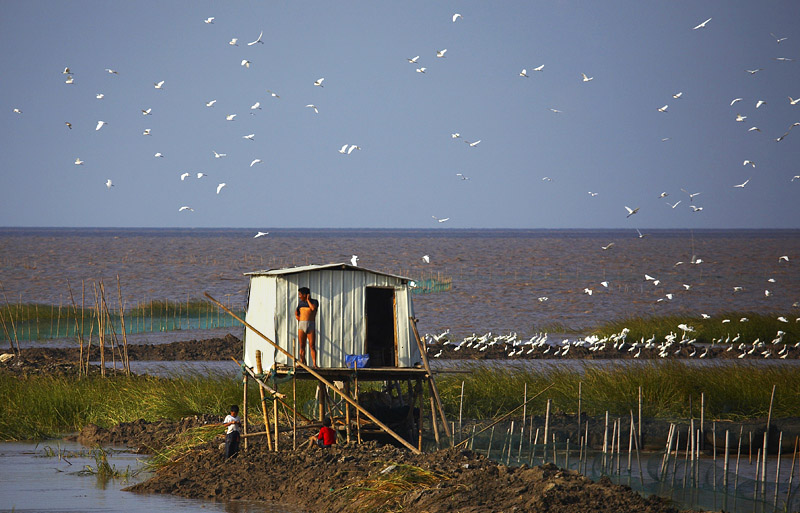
point(671, 346)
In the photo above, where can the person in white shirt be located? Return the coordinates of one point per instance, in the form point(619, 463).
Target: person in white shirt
point(233, 423)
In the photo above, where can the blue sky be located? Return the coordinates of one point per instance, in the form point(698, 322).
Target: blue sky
point(607, 138)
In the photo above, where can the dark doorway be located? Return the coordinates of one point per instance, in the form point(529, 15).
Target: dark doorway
point(381, 344)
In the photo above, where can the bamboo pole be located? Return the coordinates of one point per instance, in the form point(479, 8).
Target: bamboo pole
point(639, 428)
point(507, 414)
point(778, 467)
point(358, 414)
point(126, 362)
point(431, 381)
point(244, 409)
point(580, 397)
point(435, 424)
point(260, 369)
point(460, 410)
point(702, 419)
point(78, 332)
point(547, 424)
point(766, 438)
point(275, 415)
point(736, 472)
point(638, 460)
point(418, 392)
point(8, 335)
point(11, 319)
point(83, 309)
point(605, 443)
point(319, 377)
point(727, 460)
point(491, 438)
point(100, 331)
point(791, 472)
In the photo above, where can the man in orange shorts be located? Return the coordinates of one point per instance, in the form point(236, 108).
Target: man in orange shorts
point(306, 314)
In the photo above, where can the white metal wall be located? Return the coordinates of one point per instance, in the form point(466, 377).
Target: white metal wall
point(340, 323)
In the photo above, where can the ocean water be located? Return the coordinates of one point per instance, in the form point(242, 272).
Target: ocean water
point(498, 275)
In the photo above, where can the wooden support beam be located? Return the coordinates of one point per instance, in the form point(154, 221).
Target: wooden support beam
point(263, 400)
point(319, 377)
point(431, 381)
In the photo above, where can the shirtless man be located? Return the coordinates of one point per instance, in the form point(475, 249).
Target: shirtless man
point(306, 313)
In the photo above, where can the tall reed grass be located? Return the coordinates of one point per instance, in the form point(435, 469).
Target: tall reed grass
point(731, 391)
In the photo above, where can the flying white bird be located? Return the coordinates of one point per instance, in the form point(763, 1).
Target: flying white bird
point(112, 72)
point(455, 135)
point(555, 110)
point(609, 246)
point(158, 85)
point(421, 70)
point(146, 112)
point(784, 258)
point(69, 80)
point(759, 103)
point(547, 179)
point(604, 284)
point(413, 60)
point(778, 39)
point(585, 78)
point(753, 164)
point(641, 235)
point(218, 155)
point(260, 234)
point(695, 209)
point(473, 144)
point(343, 149)
point(539, 68)
point(462, 176)
point(254, 162)
point(209, 21)
point(753, 129)
point(257, 40)
point(190, 209)
point(354, 260)
point(234, 41)
point(17, 111)
point(255, 106)
point(273, 94)
point(249, 137)
point(109, 184)
point(793, 102)
point(663, 195)
point(426, 259)
point(351, 148)
point(754, 71)
point(736, 100)
point(442, 220)
point(631, 211)
point(662, 109)
point(740, 118)
point(211, 103)
point(159, 155)
point(440, 53)
point(78, 162)
point(675, 205)
point(66, 71)
point(691, 194)
point(201, 175)
point(318, 82)
point(587, 290)
point(184, 176)
point(523, 73)
point(456, 16)
point(230, 117)
point(741, 185)
point(312, 106)
point(593, 194)
point(246, 63)
point(146, 131)
point(100, 124)
point(220, 186)
point(99, 96)
point(677, 95)
point(702, 25)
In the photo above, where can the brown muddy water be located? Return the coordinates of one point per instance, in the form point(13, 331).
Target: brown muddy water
point(498, 276)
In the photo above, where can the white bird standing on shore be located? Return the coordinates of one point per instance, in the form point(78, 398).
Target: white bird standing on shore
point(354, 260)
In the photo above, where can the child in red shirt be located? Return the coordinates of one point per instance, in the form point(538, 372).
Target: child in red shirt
point(326, 436)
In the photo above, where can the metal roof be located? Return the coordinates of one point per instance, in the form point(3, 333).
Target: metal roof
point(324, 267)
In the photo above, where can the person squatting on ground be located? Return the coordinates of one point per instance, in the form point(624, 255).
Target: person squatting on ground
point(306, 314)
point(327, 435)
point(233, 423)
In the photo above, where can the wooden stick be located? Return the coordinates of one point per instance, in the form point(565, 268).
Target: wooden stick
point(580, 383)
point(605, 442)
point(778, 466)
point(319, 377)
point(244, 409)
point(275, 414)
point(460, 410)
point(738, 453)
point(431, 381)
point(263, 400)
point(507, 414)
point(727, 459)
point(547, 424)
point(638, 460)
point(791, 472)
point(766, 437)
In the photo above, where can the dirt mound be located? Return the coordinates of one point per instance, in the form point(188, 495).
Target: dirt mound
point(63, 361)
point(338, 478)
point(142, 436)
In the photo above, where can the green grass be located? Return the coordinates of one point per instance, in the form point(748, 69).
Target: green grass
point(758, 325)
point(731, 391)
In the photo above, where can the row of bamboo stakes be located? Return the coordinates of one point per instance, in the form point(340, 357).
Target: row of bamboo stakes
point(612, 447)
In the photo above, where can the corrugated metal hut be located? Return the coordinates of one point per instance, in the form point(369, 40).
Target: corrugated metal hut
point(360, 312)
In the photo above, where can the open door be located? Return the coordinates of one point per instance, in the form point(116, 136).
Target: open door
point(381, 340)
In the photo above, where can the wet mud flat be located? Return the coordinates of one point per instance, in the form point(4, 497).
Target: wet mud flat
point(351, 477)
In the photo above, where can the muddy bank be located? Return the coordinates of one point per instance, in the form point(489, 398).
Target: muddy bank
point(63, 361)
point(338, 479)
